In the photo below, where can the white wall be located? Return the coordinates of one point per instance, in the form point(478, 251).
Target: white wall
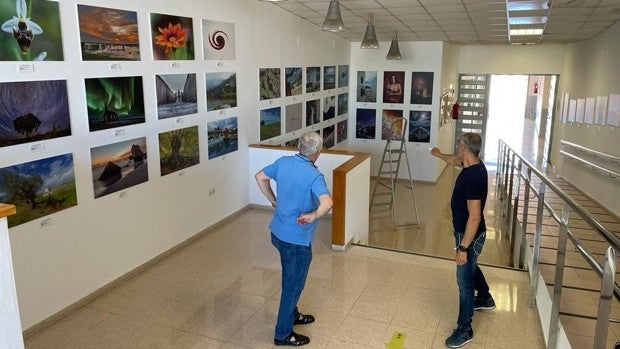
point(11, 333)
point(87, 246)
point(590, 70)
point(416, 56)
point(511, 59)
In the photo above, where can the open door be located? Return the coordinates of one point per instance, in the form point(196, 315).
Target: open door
point(473, 106)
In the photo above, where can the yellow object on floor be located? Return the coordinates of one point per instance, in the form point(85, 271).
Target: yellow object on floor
point(397, 341)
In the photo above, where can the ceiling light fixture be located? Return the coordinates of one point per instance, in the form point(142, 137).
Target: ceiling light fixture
point(394, 52)
point(370, 37)
point(333, 20)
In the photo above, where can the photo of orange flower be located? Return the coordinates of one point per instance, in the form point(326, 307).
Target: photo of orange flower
point(172, 37)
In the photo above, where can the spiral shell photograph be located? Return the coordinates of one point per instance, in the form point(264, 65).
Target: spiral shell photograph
point(218, 40)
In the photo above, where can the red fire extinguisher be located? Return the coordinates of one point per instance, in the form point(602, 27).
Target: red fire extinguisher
point(455, 110)
point(535, 87)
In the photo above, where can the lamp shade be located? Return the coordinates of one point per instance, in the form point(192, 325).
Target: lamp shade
point(333, 20)
point(370, 37)
point(394, 52)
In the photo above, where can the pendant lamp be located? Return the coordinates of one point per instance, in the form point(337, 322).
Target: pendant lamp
point(333, 20)
point(394, 52)
point(370, 37)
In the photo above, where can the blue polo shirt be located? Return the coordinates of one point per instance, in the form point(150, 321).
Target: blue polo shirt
point(299, 184)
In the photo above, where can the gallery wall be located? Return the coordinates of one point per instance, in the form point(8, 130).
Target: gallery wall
point(417, 57)
point(590, 70)
point(64, 256)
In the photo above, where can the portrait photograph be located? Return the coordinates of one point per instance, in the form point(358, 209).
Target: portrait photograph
point(218, 40)
point(269, 83)
point(36, 37)
point(422, 88)
point(270, 123)
point(221, 90)
point(365, 123)
point(118, 166)
point(38, 188)
point(367, 86)
point(32, 111)
point(108, 34)
point(114, 102)
point(392, 125)
point(176, 95)
point(172, 37)
point(293, 81)
point(393, 86)
point(222, 137)
point(313, 79)
point(420, 126)
point(178, 149)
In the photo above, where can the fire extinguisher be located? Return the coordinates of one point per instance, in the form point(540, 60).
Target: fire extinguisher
point(535, 87)
point(455, 110)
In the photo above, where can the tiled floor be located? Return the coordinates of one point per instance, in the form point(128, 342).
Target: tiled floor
point(223, 290)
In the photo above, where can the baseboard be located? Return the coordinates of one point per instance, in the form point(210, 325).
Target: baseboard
point(139, 269)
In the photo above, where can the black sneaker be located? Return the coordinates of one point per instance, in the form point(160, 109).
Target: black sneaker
point(460, 337)
point(484, 303)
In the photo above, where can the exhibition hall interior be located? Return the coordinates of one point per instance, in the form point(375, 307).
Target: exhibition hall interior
point(131, 133)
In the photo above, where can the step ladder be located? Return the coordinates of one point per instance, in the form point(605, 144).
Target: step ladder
point(387, 177)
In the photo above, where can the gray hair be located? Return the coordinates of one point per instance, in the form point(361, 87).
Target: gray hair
point(471, 141)
point(310, 143)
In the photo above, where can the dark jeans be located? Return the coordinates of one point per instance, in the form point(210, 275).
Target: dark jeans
point(469, 277)
point(295, 261)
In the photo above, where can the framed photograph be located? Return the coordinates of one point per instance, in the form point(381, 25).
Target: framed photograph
point(221, 90)
point(114, 102)
point(223, 137)
point(178, 149)
point(36, 37)
point(293, 117)
point(172, 37)
point(367, 86)
point(108, 34)
point(269, 83)
point(38, 188)
point(176, 95)
point(343, 75)
point(313, 112)
point(419, 126)
point(270, 123)
point(392, 125)
point(329, 77)
point(343, 103)
point(313, 79)
point(393, 86)
point(341, 130)
point(365, 123)
point(293, 81)
point(218, 40)
point(32, 111)
point(118, 166)
point(329, 136)
point(422, 88)
point(329, 107)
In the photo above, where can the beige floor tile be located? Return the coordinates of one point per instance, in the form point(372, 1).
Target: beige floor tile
point(362, 331)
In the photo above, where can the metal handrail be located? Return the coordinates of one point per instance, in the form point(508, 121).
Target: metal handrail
point(588, 163)
point(591, 151)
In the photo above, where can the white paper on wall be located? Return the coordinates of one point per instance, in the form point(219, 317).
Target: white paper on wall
point(581, 108)
point(572, 109)
point(565, 108)
point(613, 110)
point(589, 113)
point(600, 112)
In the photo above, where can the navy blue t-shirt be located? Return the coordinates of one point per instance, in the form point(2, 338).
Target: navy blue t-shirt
point(471, 184)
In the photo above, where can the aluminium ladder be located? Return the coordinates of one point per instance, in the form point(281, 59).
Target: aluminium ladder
point(392, 156)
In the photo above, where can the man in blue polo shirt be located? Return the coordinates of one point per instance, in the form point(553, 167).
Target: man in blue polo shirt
point(302, 198)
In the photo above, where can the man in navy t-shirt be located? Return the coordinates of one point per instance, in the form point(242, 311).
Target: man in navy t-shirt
point(468, 199)
point(303, 197)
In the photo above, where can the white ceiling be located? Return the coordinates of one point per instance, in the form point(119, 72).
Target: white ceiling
point(464, 21)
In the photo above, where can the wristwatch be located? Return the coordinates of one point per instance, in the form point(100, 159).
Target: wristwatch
point(462, 248)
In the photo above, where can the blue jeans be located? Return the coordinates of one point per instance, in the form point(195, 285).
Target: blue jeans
point(295, 261)
point(469, 277)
